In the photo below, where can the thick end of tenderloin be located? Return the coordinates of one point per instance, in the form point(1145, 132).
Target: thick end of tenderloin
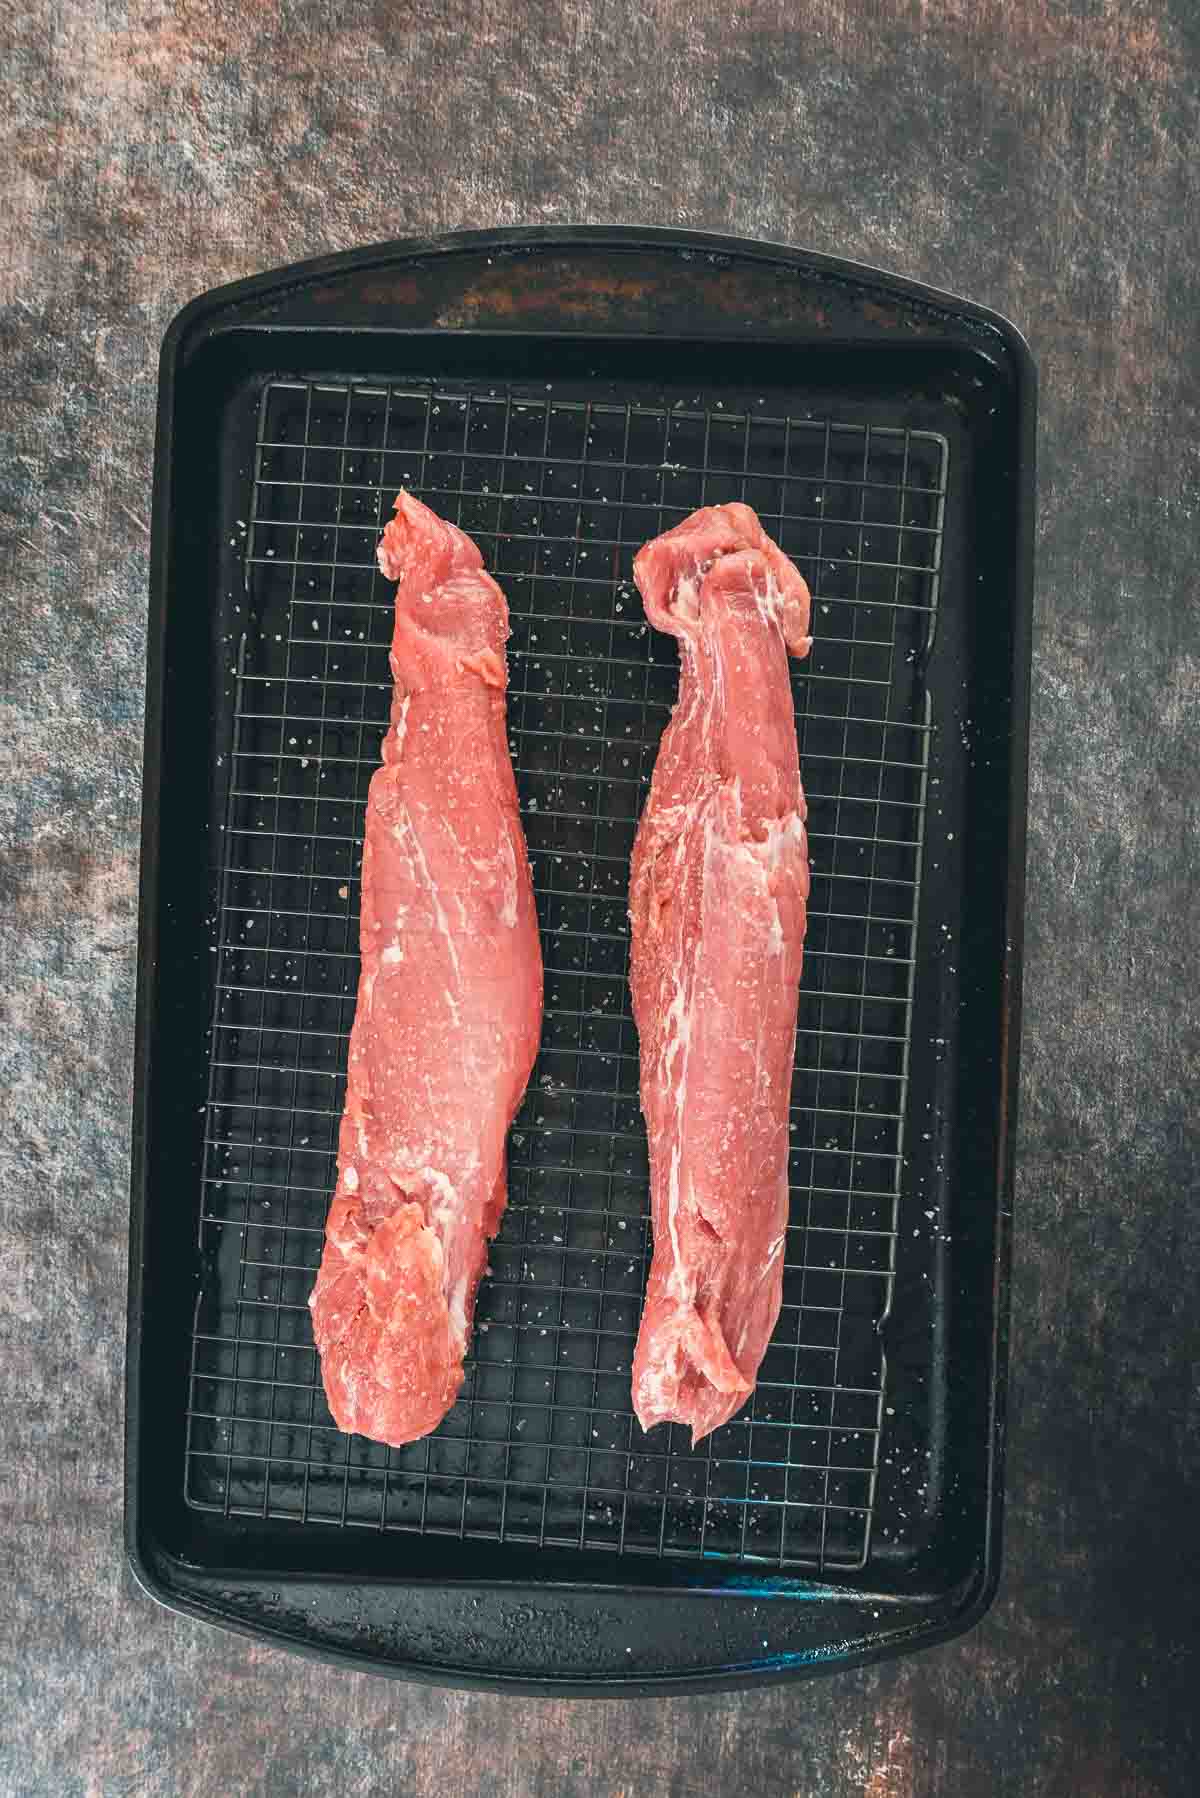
point(391, 1354)
point(683, 1371)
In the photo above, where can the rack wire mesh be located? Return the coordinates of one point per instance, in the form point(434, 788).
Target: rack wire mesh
point(560, 490)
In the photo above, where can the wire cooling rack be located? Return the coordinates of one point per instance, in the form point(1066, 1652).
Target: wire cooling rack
point(560, 491)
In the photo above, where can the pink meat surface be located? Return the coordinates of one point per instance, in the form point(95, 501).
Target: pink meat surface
point(449, 1002)
point(718, 895)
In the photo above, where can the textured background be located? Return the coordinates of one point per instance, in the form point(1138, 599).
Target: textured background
point(1036, 154)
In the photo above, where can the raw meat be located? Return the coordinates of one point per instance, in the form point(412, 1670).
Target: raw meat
point(718, 893)
point(449, 1002)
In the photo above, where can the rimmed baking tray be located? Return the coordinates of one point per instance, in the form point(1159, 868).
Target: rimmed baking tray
point(565, 394)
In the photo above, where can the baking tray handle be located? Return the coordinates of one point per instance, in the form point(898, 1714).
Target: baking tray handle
point(576, 1640)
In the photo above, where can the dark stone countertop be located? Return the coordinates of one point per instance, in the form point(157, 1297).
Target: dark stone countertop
point(1038, 155)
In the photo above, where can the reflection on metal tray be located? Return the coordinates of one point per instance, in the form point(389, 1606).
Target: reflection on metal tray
point(896, 474)
point(560, 494)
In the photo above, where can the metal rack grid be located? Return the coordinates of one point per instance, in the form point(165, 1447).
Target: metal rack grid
point(560, 491)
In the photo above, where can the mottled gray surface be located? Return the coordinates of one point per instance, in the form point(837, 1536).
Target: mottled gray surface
point(1038, 154)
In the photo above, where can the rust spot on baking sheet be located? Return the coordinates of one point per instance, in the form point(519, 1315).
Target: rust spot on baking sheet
point(401, 290)
point(561, 286)
point(398, 289)
point(519, 288)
